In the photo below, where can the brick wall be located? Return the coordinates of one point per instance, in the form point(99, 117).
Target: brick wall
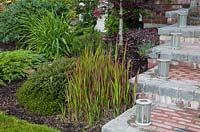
point(159, 18)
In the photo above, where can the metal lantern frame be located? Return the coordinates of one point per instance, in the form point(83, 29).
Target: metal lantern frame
point(182, 20)
point(163, 68)
point(175, 40)
point(193, 3)
point(143, 112)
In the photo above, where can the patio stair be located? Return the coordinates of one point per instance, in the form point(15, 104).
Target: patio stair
point(180, 92)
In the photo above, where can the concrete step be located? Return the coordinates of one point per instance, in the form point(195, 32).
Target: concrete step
point(164, 39)
point(173, 14)
point(182, 89)
point(188, 31)
point(188, 52)
point(163, 119)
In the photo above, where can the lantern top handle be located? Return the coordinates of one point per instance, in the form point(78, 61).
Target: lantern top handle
point(176, 34)
point(163, 60)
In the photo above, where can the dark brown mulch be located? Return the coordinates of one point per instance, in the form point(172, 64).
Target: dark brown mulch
point(8, 46)
point(133, 39)
point(8, 104)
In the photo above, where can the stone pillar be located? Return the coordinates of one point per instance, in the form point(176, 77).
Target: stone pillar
point(175, 40)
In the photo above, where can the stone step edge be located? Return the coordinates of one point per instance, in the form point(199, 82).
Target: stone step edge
point(174, 55)
point(120, 124)
point(173, 14)
point(172, 92)
point(188, 31)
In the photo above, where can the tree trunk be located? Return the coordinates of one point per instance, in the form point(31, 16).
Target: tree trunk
point(121, 24)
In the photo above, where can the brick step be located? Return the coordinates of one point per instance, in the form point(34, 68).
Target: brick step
point(188, 52)
point(188, 31)
point(181, 89)
point(163, 118)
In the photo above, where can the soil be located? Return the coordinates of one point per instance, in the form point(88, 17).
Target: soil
point(8, 104)
point(8, 46)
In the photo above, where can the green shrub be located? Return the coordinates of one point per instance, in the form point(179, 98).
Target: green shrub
point(14, 64)
point(86, 38)
point(43, 92)
point(10, 21)
point(49, 35)
point(87, 11)
point(98, 84)
point(112, 25)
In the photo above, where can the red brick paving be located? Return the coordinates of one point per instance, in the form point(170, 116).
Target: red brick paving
point(165, 119)
point(184, 73)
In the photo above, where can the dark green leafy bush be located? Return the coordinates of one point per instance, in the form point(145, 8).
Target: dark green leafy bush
point(14, 64)
point(86, 38)
point(112, 25)
point(10, 21)
point(44, 90)
point(50, 34)
point(87, 11)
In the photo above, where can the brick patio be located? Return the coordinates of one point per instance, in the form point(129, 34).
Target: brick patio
point(174, 120)
point(184, 73)
point(164, 118)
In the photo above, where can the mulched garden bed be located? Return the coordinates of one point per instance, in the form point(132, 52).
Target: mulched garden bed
point(8, 104)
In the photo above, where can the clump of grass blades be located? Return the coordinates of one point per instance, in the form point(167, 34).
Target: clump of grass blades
point(98, 84)
point(49, 35)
